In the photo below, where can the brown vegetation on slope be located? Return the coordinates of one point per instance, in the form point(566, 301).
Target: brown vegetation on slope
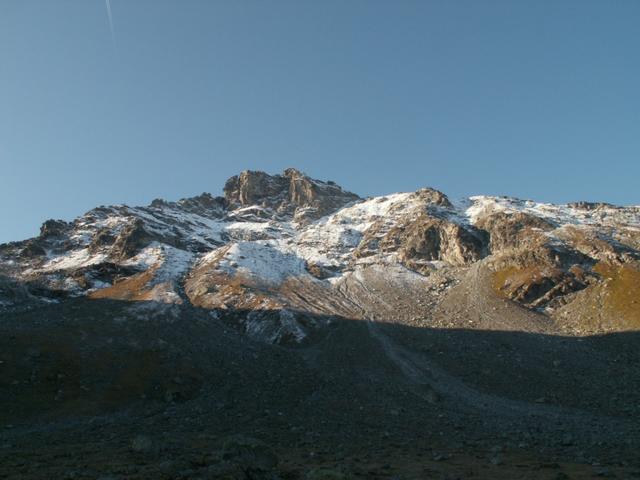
point(621, 288)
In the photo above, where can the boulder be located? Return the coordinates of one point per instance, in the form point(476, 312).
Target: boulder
point(143, 444)
point(327, 474)
point(251, 456)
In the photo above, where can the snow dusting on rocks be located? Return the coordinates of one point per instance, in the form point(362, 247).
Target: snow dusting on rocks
point(272, 236)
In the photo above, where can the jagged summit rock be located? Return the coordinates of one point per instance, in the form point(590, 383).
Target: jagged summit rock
point(52, 228)
point(291, 193)
point(205, 204)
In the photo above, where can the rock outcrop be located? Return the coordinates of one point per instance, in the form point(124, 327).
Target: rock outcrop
point(292, 194)
point(54, 228)
point(514, 230)
point(432, 239)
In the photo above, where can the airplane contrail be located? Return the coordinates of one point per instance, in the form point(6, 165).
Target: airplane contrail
point(113, 35)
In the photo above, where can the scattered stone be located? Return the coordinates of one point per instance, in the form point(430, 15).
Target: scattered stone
point(327, 474)
point(249, 453)
point(567, 440)
point(33, 353)
point(143, 444)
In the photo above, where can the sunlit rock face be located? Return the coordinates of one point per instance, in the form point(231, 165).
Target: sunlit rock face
point(291, 194)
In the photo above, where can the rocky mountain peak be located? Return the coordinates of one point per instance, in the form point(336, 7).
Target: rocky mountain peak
point(434, 197)
point(52, 228)
point(253, 187)
point(290, 193)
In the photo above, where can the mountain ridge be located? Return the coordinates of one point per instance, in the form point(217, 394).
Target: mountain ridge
point(269, 232)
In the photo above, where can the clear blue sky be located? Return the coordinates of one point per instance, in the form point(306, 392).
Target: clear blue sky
point(538, 99)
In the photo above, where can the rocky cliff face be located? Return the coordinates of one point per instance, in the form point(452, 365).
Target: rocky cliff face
point(291, 194)
point(290, 248)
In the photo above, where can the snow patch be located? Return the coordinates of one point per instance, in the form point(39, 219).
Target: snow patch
point(330, 241)
point(266, 261)
point(559, 214)
point(73, 260)
point(171, 262)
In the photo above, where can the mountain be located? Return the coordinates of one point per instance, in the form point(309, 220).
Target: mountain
point(410, 307)
point(272, 237)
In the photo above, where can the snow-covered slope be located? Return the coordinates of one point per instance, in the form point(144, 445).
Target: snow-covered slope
point(580, 213)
